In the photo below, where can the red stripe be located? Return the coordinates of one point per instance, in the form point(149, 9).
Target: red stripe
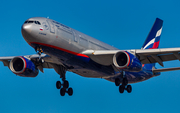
point(55, 47)
point(128, 57)
point(156, 44)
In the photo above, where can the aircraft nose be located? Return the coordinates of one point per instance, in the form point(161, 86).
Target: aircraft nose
point(26, 28)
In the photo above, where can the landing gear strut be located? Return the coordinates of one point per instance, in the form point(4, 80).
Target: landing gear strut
point(61, 70)
point(39, 51)
point(64, 87)
point(124, 85)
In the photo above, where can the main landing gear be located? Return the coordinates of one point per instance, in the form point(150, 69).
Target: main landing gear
point(61, 70)
point(124, 85)
point(64, 87)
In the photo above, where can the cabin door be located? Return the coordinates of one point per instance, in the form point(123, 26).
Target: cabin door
point(75, 36)
point(52, 29)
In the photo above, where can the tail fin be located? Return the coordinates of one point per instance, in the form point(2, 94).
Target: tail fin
point(153, 38)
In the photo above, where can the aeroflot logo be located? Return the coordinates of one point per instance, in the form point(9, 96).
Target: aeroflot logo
point(153, 40)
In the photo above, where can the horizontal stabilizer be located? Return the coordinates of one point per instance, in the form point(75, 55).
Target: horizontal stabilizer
point(165, 69)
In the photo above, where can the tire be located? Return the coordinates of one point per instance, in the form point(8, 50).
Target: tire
point(70, 91)
point(117, 82)
point(58, 84)
point(121, 88)
point(66, 84)
point(129, 88)
point(62, 91)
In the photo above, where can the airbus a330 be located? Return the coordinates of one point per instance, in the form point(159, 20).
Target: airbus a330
point(66, 49)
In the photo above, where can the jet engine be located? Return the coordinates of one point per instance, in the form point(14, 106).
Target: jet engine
point(21, 66)
point(127, 61)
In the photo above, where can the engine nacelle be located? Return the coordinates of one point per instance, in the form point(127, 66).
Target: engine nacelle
point(127, 61)
point(23, 67)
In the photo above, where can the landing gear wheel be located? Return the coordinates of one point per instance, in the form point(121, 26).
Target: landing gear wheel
point(70, 91)
point(117, 81)
point(121, 88)
point(58, 84)
point(129, 88)
point(64, 87)
point(66, 84)
point(62, 91)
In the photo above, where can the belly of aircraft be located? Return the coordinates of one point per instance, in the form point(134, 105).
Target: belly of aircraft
point(78, 64)
point(87, 68)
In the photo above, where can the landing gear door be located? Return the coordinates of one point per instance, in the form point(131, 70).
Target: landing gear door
point(52, 30)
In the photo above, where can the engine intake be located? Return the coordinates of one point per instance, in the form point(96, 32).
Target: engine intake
point(23, 67)
point(127, 61)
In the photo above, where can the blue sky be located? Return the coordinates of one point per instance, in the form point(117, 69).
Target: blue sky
point(123, 24)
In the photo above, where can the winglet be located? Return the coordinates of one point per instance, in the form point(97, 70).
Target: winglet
point(153, 38)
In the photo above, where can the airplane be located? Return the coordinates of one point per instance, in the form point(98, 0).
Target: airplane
point(66, 49)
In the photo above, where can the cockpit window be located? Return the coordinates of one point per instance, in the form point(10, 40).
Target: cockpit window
point(30, 21)
point(36, 22)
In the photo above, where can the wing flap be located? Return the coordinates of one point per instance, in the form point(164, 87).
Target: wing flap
point(6, 62)
point(158, 55)
point(150, 59)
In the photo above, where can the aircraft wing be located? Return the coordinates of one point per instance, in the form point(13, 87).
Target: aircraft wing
point(146, 56)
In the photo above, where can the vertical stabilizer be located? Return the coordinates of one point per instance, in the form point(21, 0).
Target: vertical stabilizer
point(153, 38)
